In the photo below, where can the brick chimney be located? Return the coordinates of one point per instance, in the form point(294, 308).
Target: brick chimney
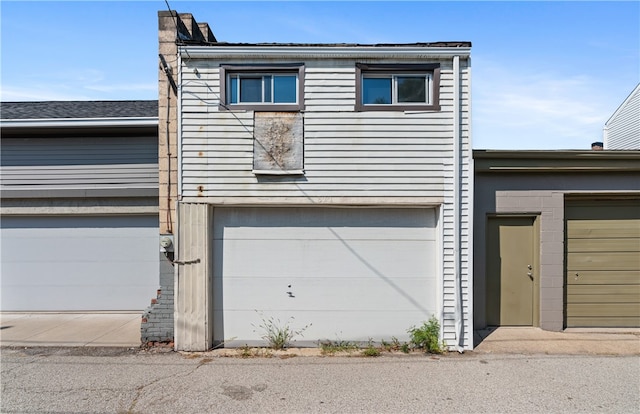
point(173, 29)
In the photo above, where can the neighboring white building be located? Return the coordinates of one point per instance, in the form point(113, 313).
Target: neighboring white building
point(325, 185)
point(622, 130)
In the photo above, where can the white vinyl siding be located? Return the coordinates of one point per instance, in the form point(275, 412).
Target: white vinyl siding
point(622, 130)
point(366, 155)
point(387, 154)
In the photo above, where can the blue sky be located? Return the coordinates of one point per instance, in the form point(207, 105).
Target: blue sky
point(545, 75)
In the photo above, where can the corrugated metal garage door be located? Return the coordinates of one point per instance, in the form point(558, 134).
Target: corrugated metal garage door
point(603, 263)
point(352, 274)
point(78, 263)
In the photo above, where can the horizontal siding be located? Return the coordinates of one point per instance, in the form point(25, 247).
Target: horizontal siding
point(346, 154)
point(624, 127)
point(35, 164)
point(407, 149)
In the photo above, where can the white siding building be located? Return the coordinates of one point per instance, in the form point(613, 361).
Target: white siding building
point(323, 186)
point(622, 130)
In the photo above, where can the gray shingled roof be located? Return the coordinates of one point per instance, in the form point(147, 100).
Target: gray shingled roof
point(78, 109)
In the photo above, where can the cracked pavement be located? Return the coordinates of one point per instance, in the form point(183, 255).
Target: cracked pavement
point(121, 380)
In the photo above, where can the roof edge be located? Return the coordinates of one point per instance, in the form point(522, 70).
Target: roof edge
point(79, 122)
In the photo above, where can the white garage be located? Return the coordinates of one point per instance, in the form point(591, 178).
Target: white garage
point(78, 263)
point(347, 273)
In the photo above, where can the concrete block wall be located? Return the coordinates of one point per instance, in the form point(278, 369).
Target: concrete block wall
point(548, 206)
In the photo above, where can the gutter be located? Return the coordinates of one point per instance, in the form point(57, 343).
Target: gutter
point(79, 122)
point(301, 52)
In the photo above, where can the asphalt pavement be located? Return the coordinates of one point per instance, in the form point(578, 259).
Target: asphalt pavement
point(93, 363)
point(119, 380)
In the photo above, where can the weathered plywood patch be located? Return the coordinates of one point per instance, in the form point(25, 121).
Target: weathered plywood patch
point(278, 143)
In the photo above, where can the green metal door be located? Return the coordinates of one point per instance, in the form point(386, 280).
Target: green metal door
point(510, 271)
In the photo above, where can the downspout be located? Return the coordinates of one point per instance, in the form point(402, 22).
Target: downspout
point(457, 216)
point(179, 127)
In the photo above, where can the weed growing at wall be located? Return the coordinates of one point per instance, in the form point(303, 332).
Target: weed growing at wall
point(427, 337)
point(333, 347)
point(278, 334)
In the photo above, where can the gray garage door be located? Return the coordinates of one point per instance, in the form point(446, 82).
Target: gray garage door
point(78, 263)
point(350, 274)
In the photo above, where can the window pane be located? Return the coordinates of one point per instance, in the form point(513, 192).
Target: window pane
point(284, 89)
point(376, 91)
point(267, 88)
point(233, 86)
point(412, 89)
point(251, 89)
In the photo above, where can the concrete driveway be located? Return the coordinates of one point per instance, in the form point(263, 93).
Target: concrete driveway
point(573, 341)
point(119, 329)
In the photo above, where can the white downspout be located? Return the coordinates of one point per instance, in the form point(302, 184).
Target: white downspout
point(179, 127)
point(457, 148)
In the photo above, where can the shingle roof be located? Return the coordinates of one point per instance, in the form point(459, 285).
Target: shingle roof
point(78, 109)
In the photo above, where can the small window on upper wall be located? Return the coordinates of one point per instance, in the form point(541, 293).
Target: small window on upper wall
point(263, 88)
point(397, 87)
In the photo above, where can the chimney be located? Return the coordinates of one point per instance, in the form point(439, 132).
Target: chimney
point(597, 146)
point(173, 29)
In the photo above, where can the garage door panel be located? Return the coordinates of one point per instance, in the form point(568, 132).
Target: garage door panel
point(313, 293)
point(111, 248)
point(603, 209)
point(330, 233)
point(79, 262)
point(296, 258)
point(351, 272)
point(620, 297)
point(70, 298)
point(596, 229)
point(606, 309)
point(243, 327)
point(279, 219)
point(628, 289)
point(73, 274)
point(591, 321)
point(596, 277)
point(604, 245)
point(603, 261)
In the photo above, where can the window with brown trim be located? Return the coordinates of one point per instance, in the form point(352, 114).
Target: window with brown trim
point(262, 87)
point(397, 87)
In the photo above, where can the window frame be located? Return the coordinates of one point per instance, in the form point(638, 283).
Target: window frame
point(399, 70)
point(226, 70)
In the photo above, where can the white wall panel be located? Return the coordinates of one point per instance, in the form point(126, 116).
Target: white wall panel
point(354, 264)
point(78, 263)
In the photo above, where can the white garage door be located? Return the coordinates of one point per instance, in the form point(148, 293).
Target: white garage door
point(350, 274)
point(78, 263)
